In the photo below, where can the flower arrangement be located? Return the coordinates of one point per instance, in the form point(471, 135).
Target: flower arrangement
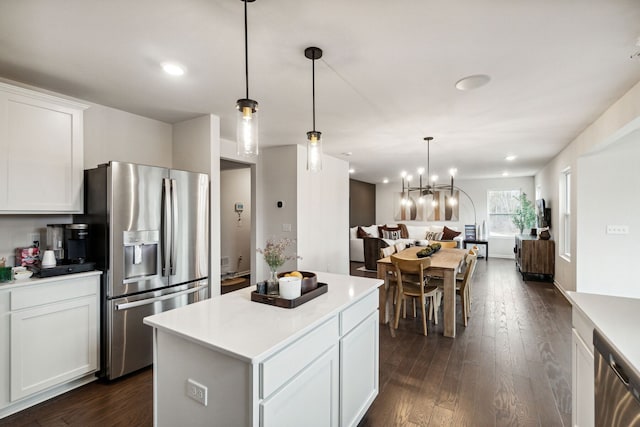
point(274, 254)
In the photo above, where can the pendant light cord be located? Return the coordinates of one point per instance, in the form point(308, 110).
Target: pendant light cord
point(246, 51)
point(313, 90)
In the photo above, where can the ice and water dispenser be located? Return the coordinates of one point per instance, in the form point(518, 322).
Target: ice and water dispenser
point(140, 254)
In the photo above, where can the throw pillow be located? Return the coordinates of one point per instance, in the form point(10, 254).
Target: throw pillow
point(431, 235)
point(360, 233)
point(382, 228)
point(390, 234)
point(404, 233)
point(449, 234)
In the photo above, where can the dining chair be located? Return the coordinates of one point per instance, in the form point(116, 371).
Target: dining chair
point(412, 282)
point(388, 251)
point(400, 246)
point(462, 287)
point(460, 275)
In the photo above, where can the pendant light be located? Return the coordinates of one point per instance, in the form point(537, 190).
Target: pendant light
point(314, 138)
point(247, 116)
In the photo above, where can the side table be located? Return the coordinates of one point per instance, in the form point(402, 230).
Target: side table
point(479, 242)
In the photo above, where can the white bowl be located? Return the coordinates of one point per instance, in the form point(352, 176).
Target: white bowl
point(21, 275)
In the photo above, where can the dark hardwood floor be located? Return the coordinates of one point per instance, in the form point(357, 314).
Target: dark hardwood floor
point(510, 367)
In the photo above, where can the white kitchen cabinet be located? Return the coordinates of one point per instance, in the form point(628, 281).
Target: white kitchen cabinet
point(49, 332)
point(41, 141)
point(582, 370)
point(310, 399)
point(359, 368)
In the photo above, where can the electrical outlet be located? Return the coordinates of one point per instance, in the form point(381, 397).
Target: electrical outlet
point(197, 391)
point(34, 237)
point(617, 229)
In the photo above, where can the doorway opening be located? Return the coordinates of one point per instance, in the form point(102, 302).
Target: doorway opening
point(236, 219)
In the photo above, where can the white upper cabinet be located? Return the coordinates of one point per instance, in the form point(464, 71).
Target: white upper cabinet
point(41, 157)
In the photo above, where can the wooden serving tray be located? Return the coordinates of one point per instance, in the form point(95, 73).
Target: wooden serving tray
point(290, 303)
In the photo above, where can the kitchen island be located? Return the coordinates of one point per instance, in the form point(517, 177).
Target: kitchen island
point(230, 361)
point(615, 318)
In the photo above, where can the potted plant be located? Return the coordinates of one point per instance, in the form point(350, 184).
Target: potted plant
point(524, 216)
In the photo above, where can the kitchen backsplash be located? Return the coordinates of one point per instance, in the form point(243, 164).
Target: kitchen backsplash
point(17, 231)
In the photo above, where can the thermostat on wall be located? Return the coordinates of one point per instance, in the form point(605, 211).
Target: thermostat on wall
point(239, 206)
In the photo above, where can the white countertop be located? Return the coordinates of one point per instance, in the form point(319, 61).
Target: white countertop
point(617, 318)
point(248, 330)
point(39, 281)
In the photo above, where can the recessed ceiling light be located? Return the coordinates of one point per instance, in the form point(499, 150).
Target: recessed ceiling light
point(472, 82)
point(172, 68)
point(505, 173)
point(510, 158)
point(385, 181)
point(352, 170)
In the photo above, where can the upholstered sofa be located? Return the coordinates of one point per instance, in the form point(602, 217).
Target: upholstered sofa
point(408, 233)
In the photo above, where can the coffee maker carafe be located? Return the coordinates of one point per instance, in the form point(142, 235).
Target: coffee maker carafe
point(55, 241)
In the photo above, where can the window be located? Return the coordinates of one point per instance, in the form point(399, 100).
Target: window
point(565, 213)
point(501, 204)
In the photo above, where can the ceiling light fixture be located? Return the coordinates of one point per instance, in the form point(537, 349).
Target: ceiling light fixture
point(431, 187)
point(314, 138)
point(385, 181)
point(247, 117)
point(510, 158)
point(505, 173)
point(472, 82)
point(352, 170)
point(172, 68)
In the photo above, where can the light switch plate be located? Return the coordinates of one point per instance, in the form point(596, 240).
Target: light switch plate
point(617, 229)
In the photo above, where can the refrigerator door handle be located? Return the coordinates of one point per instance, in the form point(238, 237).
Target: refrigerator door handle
point(147, 301)
point(166, 226)
point(174, 226)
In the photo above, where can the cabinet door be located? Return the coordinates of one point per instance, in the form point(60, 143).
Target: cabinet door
point(309, 399)
point(358, 370)
point(52, 344)
point(583, 384)
point(41, 140)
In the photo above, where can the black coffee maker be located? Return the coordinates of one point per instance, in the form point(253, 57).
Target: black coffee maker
point(70, 244)
point(76, 243)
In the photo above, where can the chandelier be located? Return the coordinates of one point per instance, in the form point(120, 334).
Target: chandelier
point(429, 191)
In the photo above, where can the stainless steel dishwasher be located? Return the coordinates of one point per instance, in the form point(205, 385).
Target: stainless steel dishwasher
point(617, 387)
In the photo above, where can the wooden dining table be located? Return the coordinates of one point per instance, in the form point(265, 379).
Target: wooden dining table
point(444, 264)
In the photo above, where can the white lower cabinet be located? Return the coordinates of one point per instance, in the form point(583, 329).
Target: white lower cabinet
point(50, 331)
point(310, 399)
point(582, 371)
point(359, 367)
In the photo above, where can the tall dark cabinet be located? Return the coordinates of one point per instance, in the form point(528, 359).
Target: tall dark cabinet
point(535, 256)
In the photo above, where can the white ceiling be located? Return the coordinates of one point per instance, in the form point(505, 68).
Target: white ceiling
point(386, 79)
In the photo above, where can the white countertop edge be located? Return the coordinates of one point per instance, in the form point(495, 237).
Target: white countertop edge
point(43, 280)
point(165, 323)
point(615, 318)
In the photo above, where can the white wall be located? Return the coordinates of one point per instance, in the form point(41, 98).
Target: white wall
point(315, 205)
point(476, 189)
point(608, 196)
point(235, 236)
point(111, 134)
point(277, 181)
point(196, 147)
point(619, 120)
point(323, 215)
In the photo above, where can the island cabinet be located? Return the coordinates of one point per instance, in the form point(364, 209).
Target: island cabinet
point(41, 141)
point(231, 361)
point(49, 331)
point(582, 369)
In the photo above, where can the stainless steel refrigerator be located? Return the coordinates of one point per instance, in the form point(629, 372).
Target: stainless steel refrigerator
point(150, 235)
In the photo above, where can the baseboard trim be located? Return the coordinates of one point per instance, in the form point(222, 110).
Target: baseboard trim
point(30, 401)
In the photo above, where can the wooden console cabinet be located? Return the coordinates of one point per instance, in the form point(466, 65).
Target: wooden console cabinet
point(535, 256)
